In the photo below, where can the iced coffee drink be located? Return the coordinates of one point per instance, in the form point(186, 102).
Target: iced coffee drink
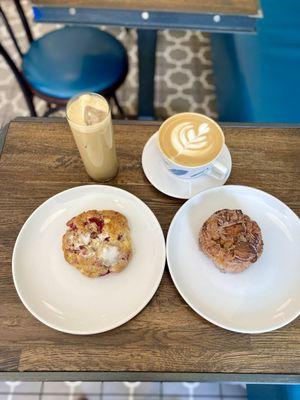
point(89, 118)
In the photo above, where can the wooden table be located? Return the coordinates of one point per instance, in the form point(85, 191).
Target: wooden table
point(149, 16)
point(167, 340)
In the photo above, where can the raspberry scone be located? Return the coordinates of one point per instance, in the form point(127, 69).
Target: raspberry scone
point(231, 239)
point(97, 242)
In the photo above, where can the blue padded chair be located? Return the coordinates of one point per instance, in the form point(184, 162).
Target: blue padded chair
point(68, 61)
point(257, 76)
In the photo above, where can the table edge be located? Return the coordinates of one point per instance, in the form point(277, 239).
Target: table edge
point(150, 376)
point(50, 120)
point(258, 13)
point(3, 135)
point(158, 122)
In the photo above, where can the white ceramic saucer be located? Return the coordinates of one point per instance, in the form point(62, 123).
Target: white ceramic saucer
point(58, 294)
point(169, 184)
point(262, 298)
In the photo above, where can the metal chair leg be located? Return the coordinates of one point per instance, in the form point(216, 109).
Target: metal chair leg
point(120, 109)
point(51, 109)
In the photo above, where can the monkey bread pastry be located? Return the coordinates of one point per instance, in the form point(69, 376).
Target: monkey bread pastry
point(97, 242)
point(231, 239)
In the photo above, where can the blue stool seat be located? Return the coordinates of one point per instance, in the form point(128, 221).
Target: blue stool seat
point(75, 59)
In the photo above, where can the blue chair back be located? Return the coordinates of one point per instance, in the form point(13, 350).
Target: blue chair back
point(257, 76)
point(273, 392)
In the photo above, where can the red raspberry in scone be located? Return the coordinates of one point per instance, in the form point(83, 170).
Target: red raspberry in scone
point(97, 242)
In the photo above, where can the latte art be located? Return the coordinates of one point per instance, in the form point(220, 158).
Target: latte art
point(190, 139)
point(186, 138)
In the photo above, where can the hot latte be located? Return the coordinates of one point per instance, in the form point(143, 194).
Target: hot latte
point(190, 139)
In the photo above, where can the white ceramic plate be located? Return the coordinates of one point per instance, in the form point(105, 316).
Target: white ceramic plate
point(164, 181)
point(59, 295)
point(262, 298)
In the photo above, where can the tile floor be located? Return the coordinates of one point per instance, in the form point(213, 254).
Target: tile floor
point(120, 391)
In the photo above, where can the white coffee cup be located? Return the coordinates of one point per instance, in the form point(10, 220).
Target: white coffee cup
point(190, 130)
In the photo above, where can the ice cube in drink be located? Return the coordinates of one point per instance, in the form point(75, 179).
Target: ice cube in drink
point(93, 115)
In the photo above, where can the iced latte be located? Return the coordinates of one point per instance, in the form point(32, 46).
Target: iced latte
point(89, 118)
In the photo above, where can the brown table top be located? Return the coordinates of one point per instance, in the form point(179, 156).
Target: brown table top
point(40, 159)
point(242, 7)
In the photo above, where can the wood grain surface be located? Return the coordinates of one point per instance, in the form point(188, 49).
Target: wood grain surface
point(39, 160)
point(242, 7)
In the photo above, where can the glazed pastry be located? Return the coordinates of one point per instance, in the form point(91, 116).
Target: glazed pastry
point(231, 239)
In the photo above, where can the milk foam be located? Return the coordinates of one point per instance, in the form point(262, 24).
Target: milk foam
point(190, 139)
point(187, 139)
